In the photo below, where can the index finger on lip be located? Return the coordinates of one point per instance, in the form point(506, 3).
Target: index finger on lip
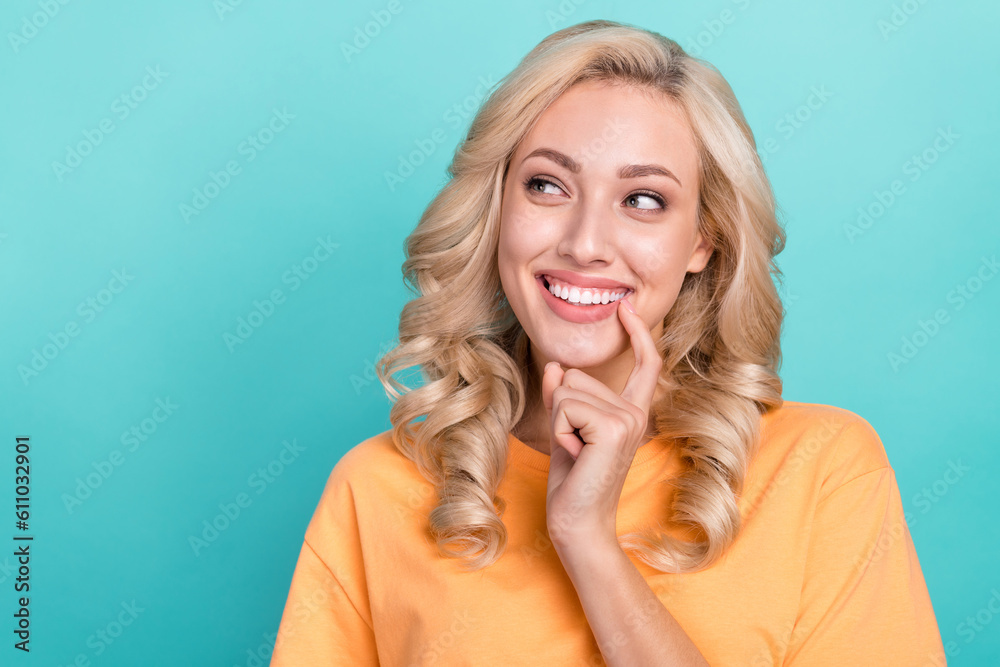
point(641, 383)
point(551, 378)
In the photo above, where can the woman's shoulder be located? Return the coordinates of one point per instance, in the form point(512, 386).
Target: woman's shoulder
point(367, 483)
point(833, 444)
point(376, 447)
point(373, 459)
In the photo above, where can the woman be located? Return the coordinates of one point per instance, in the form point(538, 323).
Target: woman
point(600, 468)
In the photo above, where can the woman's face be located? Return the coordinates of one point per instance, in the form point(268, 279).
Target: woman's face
point(602, 193)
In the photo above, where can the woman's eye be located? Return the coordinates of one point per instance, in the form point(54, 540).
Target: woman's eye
point(543, 186)
point(644, 201)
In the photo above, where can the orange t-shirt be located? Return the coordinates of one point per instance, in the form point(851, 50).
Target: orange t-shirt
point(823, 572)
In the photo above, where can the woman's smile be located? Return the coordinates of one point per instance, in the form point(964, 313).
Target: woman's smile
point(580, 305)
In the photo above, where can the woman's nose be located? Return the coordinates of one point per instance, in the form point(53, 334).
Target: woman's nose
point(587, 234)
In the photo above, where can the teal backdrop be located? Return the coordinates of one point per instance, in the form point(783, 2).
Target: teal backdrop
point(203, 213)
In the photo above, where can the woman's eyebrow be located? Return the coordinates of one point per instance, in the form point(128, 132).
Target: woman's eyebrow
point(628, 171)
point(561, 159)
point(637, 170)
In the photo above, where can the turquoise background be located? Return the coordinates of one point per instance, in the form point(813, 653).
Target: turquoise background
point(304, 376)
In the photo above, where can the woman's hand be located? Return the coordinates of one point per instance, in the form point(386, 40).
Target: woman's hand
point(594, 434)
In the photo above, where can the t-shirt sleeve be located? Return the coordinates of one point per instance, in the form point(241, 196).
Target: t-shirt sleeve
point(320, 625)
point(327, 618)
point(864, 599)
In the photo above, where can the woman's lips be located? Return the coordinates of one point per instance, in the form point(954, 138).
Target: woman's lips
point(591, 294)
point(582, 281)
point(579, 314)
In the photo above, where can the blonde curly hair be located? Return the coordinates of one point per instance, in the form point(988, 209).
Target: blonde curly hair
point(720, 342)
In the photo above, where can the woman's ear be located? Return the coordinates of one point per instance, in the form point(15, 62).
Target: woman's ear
point(700, 255)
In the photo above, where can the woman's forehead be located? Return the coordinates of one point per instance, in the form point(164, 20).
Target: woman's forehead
point(605, 126)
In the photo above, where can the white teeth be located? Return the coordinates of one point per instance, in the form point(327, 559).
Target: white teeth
point(586, 296)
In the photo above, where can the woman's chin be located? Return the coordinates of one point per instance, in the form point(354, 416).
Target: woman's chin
point(583, 354)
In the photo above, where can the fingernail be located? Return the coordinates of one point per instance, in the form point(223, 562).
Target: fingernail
point(629, 306)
